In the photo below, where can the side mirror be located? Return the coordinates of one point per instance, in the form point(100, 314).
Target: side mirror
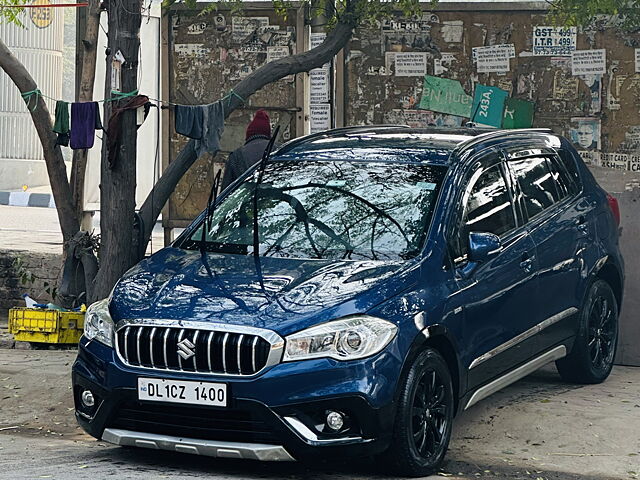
point(483, 246)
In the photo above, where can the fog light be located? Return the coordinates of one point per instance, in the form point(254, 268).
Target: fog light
point(335, 420)
point(87, 398)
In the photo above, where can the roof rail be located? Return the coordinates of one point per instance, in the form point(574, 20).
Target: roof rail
point(497, 134)
point(336, 131)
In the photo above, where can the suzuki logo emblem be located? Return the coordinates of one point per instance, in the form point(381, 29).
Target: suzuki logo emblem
point(186, 349)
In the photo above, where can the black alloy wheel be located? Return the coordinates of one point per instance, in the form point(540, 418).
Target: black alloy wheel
point(594, 350)
point(424, 418)
point(429, 414)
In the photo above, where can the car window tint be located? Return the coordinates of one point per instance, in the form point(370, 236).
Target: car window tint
point(564, 183)
point(536, 184)
point(488, 207)
point(569, 164)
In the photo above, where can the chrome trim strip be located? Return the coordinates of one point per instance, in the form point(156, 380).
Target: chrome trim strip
point(126, 346)
point(195, 344)
point(275, 340)
point(138, 345)
point(253, 353)
point(312, 439)
point(224, 352)
point(523, 336)
point(178, 355)
point(209, 350)
point(151, 335)
point(211, 448)
point(515, 375)
point(164, 348)
point(239, 349)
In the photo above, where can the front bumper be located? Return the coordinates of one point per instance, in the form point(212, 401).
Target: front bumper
point(275, 412)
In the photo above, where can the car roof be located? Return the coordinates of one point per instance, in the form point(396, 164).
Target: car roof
point(388, 143)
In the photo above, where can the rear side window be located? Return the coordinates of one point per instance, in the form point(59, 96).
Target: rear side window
point(564, 183)
point(488, 206)
point(536, 184)
point(569, 164)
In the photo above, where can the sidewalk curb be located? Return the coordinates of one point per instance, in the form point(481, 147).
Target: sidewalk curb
point(26, 199)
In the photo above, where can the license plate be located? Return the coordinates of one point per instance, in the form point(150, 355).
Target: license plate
point(176, 391)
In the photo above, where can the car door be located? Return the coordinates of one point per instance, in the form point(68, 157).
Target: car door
point(558, 222)
point(498, 296)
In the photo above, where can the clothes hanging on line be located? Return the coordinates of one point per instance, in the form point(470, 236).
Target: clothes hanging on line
point(115, 127)
point(61, 124)
point(212, 128)
point(85, 120)
point(188, 120)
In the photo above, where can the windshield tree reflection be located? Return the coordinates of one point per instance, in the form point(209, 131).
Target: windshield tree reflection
point(333, 210)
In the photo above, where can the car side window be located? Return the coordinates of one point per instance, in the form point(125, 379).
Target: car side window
point(536, 184)
point(564, 183)
point(569, 164)
point(487, 208)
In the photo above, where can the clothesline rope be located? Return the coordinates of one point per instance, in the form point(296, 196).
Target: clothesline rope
point(116, 95)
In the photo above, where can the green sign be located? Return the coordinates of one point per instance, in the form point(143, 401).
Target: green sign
point(488, 105)
point(518, 114)
point(445, 96)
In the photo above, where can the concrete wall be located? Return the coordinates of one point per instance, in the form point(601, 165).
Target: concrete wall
point(45, 267)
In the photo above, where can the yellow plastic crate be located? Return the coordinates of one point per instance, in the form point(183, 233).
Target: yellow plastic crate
point(39, 325)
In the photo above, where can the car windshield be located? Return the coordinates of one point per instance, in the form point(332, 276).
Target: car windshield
point(327, 209)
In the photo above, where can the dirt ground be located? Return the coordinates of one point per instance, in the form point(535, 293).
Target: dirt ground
point(538, 428)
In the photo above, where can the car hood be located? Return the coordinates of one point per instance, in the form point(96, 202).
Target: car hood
point(280, 294)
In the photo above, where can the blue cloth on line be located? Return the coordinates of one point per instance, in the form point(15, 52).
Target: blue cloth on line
point(188, 120)
point(85, 120)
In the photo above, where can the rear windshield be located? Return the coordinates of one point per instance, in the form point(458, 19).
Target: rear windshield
point(328, 209)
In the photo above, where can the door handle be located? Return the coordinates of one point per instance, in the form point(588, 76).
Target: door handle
point(527, 265)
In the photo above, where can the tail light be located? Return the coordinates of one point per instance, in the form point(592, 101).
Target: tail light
point(615, 208)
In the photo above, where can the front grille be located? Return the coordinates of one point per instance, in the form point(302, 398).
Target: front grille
point(232, 425)
point(192, 350)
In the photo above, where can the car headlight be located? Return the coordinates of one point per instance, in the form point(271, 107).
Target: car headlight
point(349, 338)
point(98, 324)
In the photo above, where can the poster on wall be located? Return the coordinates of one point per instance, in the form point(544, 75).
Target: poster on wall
point(421, 118)
point(589, 62)
point(410, 64)
point(320, 117)
point(488, 105)
point(637, 60)
point(554, 41)
point(493, 58)
point(594, 83)
point(445, 96)
point(585, 133)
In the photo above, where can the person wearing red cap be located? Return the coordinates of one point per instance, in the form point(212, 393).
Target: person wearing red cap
point(243, 158)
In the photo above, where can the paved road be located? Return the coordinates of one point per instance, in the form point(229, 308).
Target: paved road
point(538, 428)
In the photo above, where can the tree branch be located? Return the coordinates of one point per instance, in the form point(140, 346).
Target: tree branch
point(52, 155)
point(335, 41)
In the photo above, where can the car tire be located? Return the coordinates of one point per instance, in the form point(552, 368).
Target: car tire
point(594, 350)
point(424, 416)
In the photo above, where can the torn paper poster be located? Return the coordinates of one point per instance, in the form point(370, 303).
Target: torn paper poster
point(441, 65)
point(191, 49)
point(452, 31)
point(277, 52)
point(554, 41)
point(594, 83)
point(585, 133)
point(196, 28)
point(492, 59)
point(320, 117)
point(410, 64)
point(615, 161)
point(518, 113)
point(589, 62)
point(590, 157)
point(445, 96)
point(637, 60)
point(488, 105)
point(565, 87)
point(242, 27)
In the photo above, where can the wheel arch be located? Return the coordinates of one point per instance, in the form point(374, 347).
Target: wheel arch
point(439, 338)
point(611, 274)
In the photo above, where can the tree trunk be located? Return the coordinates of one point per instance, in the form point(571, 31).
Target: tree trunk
point(86, 62)
point(118, 180)
point(302, 62)
point(52, 155)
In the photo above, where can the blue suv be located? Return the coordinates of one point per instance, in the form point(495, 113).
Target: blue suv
point(352, 292)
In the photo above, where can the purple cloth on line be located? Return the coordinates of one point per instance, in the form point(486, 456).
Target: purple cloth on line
point(85, 120)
